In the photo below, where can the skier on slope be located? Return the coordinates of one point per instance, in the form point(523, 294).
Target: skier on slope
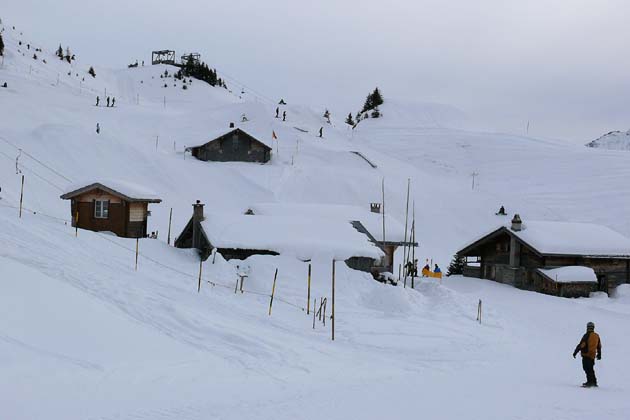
point(437, 269)
point(98, 100)
point(277, 112)
point(590, 347)
point(284, 115)
point(321, 132)
point(113, 102)
point(108, 102)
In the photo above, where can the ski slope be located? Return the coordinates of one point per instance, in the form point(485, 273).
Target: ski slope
point(87, 336)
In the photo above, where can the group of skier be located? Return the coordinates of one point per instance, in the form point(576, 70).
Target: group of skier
point(412, 268)
point(110, 102)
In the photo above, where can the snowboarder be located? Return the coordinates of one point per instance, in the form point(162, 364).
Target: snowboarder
point(321, 132)
point(108, 102)
point(277, 112)
point(501, 212)
point(113, 102)
point(98, 100)
point(590, 347)
point(284, 115)
point(437, 269)
point(98, 128)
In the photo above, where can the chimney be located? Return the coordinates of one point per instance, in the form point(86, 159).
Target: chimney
point(375, 207)
point(196, 219)
point(231, 125)
point(517, 224)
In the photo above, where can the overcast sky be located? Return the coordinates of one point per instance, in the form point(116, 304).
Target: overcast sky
point(564, 65)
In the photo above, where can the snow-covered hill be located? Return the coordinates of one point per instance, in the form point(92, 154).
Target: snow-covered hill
point(86, 336)
point(614, 140)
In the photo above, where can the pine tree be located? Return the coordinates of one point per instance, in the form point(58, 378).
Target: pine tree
point(60, 52)
point(1, 45)
point(91, 72)
point(377, 98)
point(349, 120)
point(456, 266)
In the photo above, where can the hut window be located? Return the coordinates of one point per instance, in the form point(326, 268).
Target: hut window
point(101, 209)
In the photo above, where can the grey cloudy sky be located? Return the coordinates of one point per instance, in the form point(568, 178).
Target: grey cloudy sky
point(562, 64)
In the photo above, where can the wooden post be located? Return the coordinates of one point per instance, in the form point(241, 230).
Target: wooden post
point(383, 209)
point(314, 316)
point(76, 224)
point(21, 196)
point(399, 270)
point(479, 311)
point(170, 218)
point(405, 246)
point(332, 317)
point(200, 268)
point(242, 279)
point(214, 256)
point(308, 293)
point(236, 285)
point(324, 312)
point(413, 246)
point(273, 290)
point(137, 246)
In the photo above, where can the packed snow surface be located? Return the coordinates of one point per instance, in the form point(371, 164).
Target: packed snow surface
point(571, 274)
point(84, 335)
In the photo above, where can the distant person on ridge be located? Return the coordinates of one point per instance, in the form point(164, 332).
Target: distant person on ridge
point(98, 128)
point(590, 347)
point(501, 212)
point(284, 115)
point(277, 112)
point(98, 100)
point(113, 102)
point(321, 132)
point(108, 102)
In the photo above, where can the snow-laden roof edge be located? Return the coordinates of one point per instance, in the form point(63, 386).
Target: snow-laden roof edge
point(217, 134)
point(123, 189)
point(570, 274)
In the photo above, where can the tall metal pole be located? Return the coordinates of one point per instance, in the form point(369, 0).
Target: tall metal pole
point(21, 196)
point(413, 245)
point(170, 217)
point(405, 246)
point(332, 323)
point(308, 293)
point(383, 192)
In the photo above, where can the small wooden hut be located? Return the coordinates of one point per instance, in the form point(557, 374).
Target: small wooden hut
point(232, 145)
point(111, 206)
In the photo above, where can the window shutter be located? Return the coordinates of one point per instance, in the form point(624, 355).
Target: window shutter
point(93, 209)
point(108, 209)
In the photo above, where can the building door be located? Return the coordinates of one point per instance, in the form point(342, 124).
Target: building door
point(602, 283)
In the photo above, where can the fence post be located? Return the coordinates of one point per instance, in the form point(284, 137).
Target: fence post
point(170, 217)
point(479, 311)
point(137, 246)
point(314, 311)
point(273, 290)
point(332, 317)
point(21, 196)
point(308, 294)
point(200, 267)
point(76, 224)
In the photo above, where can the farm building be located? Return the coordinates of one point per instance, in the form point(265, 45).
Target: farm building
point(305, 231)
point(111, 206)
point(558, 258)
point(232, 145)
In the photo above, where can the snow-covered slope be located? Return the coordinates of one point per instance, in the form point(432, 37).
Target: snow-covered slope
point(85, 335)
point(614, 140)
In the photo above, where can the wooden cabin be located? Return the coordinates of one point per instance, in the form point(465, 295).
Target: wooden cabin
point(523, 254)
point(116, 207)
point(234, 145)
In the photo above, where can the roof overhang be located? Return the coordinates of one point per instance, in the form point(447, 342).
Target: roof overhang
point(97, 185)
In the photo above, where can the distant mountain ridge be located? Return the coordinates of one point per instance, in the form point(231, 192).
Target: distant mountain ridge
point(614, 140)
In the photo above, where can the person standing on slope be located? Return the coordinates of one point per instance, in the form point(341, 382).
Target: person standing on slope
point(590, 347)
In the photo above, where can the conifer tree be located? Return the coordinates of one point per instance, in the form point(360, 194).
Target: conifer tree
point(377, 98)
point(60, 52)
point(1, 45)
point(456, 266)
point(349, 120)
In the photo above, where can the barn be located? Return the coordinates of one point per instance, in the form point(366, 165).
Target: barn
point(302, 230)
point(558, 258)
point(232, 145)
point(112, 206)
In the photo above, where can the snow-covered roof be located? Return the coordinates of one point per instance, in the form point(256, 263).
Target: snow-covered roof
point(124, 189)
point(570, 274)
point(568, 238)
point(306, 238)
point(373, 222)
point(251, 130)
